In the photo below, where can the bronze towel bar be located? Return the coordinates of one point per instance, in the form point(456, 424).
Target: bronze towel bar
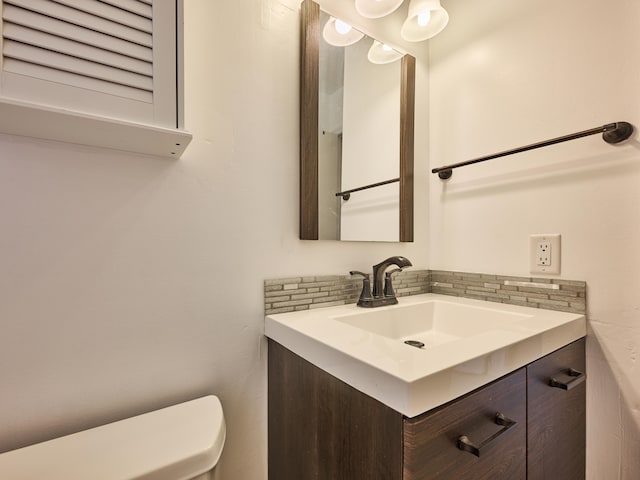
point(347, 193)
point(611, 133)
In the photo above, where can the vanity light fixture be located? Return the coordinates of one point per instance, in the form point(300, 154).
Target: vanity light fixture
point(426, 19)
point(339, 33)
point(380, 53)
point(377, 8)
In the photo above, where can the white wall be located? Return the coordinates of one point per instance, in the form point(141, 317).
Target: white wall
point(505, 74)
point(128, 283)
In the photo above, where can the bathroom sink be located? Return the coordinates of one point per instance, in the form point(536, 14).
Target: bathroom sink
point(431, 323)
point(462, 344)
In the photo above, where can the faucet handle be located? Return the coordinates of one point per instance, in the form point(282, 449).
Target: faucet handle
point(365, 295)
point(388, 286)
point(356, 272)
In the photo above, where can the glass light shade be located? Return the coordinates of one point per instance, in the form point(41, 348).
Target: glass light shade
point(332, 35)
point(415, 28)
point(377, 8)
point(380, 53)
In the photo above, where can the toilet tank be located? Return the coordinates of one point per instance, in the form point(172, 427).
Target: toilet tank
point(179, 442)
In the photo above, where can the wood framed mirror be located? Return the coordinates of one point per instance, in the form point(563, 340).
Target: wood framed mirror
point(312, 197)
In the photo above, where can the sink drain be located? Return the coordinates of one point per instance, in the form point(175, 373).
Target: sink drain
point(414, 343)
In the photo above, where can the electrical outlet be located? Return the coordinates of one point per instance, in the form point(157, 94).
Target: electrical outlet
point(544, 253)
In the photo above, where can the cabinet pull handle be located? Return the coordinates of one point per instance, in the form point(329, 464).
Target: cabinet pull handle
point(464, 443)
point(576, 378)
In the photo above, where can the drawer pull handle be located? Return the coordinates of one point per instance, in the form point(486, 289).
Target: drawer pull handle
point(464, 443)
point(576, 378)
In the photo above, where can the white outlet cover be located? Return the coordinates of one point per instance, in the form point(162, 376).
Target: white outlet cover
point(554, 266)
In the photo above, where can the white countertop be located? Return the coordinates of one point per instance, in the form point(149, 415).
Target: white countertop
point(411, 380)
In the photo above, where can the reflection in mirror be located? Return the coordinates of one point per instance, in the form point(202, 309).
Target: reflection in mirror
point(358, 139)
point(356, 134)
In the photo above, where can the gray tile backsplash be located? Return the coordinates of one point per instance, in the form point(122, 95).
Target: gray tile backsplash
point(303, 293)
point(548, 293)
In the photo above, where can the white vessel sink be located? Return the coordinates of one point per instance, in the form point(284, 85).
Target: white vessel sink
point(467, 343)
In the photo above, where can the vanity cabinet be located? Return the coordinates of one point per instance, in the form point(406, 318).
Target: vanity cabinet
point(517, 427)
point(556, 424)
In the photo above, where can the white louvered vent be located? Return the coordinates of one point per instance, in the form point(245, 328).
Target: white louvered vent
point(105, 73)
point(100, 45)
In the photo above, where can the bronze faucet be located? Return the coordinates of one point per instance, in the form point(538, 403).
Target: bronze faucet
point(381, 295)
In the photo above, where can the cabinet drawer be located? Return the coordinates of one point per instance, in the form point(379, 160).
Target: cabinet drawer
point(431, 449)
point(556, 423)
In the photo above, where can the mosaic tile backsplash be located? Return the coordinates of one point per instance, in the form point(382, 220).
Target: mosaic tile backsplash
point(548, 293)
point(303, 293)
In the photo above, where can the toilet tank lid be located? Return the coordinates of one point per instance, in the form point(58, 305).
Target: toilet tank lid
point(174, 443)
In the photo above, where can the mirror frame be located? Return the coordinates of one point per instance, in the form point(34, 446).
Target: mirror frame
point(309, 93)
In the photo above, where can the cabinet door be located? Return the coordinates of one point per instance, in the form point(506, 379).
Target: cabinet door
point(556, 424)
point(320, 428)
point(431, 450)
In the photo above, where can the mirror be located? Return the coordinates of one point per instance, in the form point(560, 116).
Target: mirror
point(356, 138)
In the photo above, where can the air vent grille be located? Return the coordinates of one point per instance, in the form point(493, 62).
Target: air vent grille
point(105, 46)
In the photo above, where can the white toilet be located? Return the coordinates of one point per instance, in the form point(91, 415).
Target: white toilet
point(181, 442)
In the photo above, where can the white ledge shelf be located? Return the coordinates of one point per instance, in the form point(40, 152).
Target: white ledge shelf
point(50, 123)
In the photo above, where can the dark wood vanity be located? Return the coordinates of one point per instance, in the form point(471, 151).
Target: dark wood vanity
point(320, 428)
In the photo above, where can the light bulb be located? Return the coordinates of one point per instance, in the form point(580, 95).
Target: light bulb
point(423, 18)
point(342, 27)
point(380, 53)
point(339, 33)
